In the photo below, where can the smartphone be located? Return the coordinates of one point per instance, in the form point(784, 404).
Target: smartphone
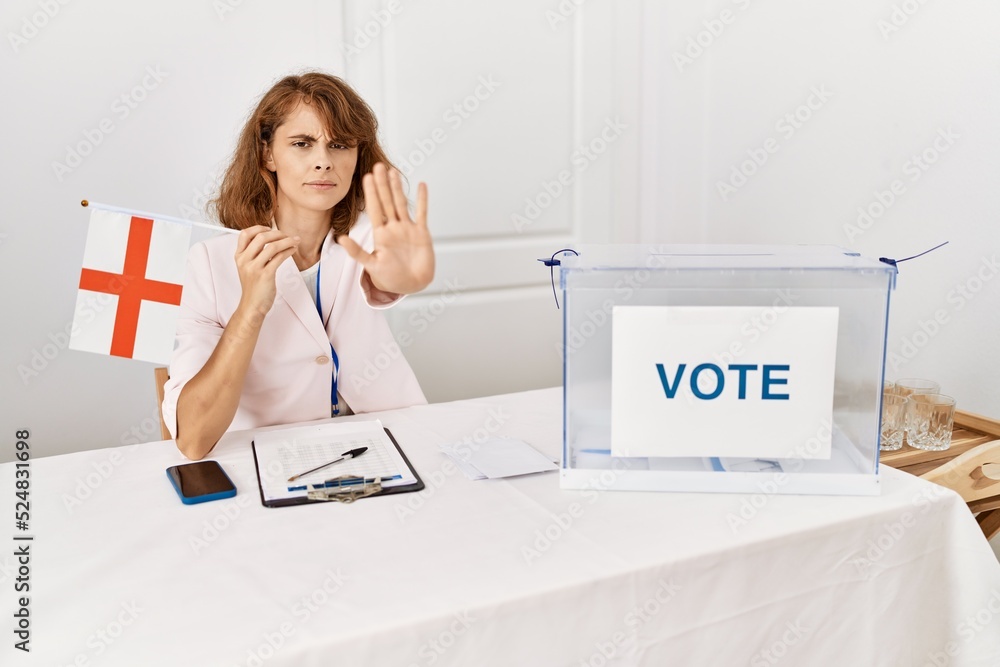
point(200, 482)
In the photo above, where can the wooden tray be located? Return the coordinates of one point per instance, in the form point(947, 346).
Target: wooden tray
point(970, 431)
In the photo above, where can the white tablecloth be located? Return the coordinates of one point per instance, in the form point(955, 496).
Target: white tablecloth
point(497, 572)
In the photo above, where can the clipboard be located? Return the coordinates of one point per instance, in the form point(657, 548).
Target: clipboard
point(304, 500)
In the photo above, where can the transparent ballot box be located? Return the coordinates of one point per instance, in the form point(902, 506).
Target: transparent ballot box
point(723, 368)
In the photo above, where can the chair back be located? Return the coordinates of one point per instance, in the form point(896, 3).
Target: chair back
point(161, 375)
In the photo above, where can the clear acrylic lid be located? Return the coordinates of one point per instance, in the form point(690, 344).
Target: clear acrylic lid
point(697, 256)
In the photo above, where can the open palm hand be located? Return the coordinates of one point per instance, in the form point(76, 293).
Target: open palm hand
point(402, 260)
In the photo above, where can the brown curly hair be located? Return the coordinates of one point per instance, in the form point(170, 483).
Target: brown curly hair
point(248, 194)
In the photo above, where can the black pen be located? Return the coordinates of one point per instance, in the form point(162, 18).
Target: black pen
point(343, 457)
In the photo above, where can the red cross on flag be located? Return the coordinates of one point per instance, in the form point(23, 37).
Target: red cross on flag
point(130, 286)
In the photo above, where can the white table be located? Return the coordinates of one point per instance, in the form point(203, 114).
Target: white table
point(505, 572)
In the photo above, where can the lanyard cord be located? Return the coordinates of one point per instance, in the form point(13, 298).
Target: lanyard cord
point(334, 402)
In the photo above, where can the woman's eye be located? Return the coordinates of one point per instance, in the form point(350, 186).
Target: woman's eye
point(300, 144)
point(339, 146)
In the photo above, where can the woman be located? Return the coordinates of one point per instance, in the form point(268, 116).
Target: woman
point(262, 340)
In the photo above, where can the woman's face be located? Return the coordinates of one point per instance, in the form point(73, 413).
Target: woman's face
point(314, 170)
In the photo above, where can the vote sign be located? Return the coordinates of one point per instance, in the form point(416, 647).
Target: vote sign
point(723, 381)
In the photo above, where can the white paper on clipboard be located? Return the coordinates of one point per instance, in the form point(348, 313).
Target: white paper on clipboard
point(286, 452)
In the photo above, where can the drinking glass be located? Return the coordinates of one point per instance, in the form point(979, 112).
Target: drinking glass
point(908, 386)
point(893, 421)
point(930, 419)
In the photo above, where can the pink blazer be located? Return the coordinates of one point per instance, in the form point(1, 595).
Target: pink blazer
point(291, 371)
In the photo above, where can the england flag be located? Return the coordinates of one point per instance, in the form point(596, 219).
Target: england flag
point(130, 286)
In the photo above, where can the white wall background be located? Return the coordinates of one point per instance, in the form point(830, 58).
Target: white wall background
point(564, 71)
point(898, 73)
point(528, 91)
